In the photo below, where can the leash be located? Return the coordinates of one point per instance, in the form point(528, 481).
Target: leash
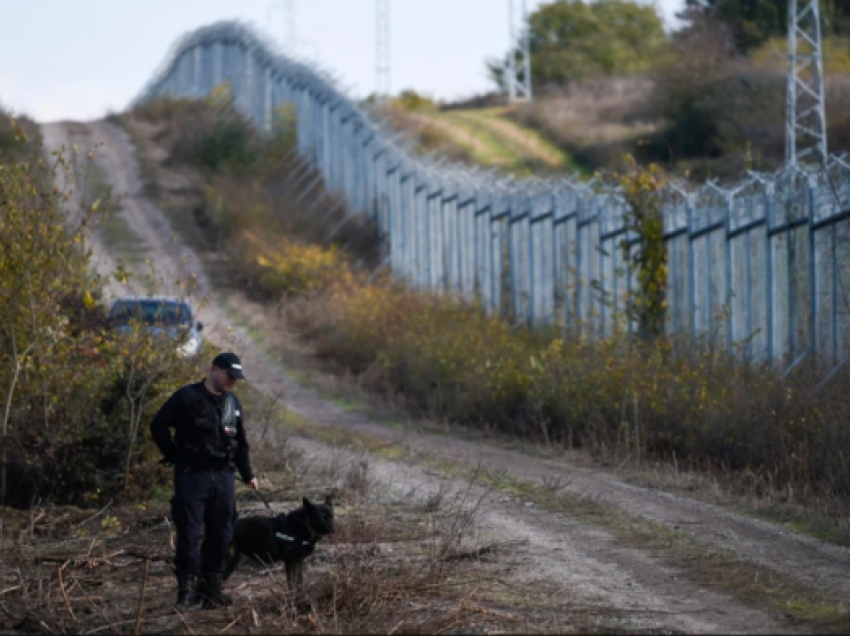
point(263, 499)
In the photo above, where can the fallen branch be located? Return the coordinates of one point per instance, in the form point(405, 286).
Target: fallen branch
point(87, 561)
point(109, 625)
point(473, 554)
point(96, 515)
point(141, 611)
point(191, 631)
point(448, 584)
point(164, 557)
point(224, 629)
point(65, 593)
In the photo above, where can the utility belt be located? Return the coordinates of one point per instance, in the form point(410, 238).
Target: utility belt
point(202, 466)
point(195, 460)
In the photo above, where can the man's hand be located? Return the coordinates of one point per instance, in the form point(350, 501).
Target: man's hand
point(253, 484)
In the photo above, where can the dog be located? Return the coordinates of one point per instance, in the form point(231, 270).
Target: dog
point(290, 538)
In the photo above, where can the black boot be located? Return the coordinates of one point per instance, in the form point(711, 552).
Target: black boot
point(209, 590)
point(187, 595)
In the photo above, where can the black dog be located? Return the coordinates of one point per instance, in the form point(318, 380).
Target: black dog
point(290, 538)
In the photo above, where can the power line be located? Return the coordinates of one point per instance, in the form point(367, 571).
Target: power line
point(382, 50)
point(805, 134)
point(518, 66)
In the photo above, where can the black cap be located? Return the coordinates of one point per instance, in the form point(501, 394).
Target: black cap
point(230, 363)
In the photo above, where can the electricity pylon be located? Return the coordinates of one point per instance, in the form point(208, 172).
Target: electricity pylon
point(805, 134)
point(290, 36)
point(518, 67)
point(382, 50)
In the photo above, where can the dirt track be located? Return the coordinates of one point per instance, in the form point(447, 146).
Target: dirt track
point(591, 565)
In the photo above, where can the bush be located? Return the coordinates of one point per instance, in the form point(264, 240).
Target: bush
point(725, 114)
point(411, 100)
point(596, 122)
point(211, 134)
point(703, 404)
point(288, 268)
point(75, 398)
point(255, 198)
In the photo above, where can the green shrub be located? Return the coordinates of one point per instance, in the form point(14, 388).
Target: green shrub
point(411, 100)
point(75, 398)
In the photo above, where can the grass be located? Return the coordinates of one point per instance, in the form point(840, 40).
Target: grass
point(820, 518)
point(716, 487)
point(694, 558)
point(113, 573)
point(394, 564)
point(489, 138)
point(707, 564)
point(524, 145)
point(113, 225)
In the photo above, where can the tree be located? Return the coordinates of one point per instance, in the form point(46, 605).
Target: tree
point(572, 39)
point(753, 22)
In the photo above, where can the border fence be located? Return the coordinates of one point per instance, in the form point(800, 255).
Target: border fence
point(765, 264)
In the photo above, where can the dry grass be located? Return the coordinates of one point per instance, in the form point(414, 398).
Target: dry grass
point(594, 121)
point(488, 137)
point(432, 135)
point(396, 565)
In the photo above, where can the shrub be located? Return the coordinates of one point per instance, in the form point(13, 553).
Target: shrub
point(74, 396)
point(252, 190)
point(211, 134)
point(597, 121)
point(411, 100)
point(288, 268)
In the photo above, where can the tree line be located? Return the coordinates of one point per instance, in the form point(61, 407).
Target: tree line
point(571, 40)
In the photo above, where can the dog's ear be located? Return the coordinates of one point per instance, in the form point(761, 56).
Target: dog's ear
point(329, 501)
point(307, 503)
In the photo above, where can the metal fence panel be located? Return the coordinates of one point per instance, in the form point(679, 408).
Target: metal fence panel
point(765, 263)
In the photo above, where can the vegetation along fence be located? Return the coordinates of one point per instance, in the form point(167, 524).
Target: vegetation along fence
point(763, 264)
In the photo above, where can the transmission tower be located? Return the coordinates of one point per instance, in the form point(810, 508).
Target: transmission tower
point(518, 67)
point(805, 135)
point(382, 50)
point(290, 34)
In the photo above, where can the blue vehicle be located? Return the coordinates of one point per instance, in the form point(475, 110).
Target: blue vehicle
point(168, 316)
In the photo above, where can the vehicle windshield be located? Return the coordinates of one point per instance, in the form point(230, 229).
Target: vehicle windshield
point(151, 312)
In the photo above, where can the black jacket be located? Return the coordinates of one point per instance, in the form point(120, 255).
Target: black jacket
point(196, 416)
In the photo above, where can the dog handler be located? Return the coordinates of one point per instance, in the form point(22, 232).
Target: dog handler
point(209, 436)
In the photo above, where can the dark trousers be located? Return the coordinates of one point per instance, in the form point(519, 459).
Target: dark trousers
point(203, 502)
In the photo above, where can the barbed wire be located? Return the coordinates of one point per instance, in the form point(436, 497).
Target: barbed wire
point(551, 238)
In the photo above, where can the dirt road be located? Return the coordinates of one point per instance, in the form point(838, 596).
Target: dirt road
point(621, 555)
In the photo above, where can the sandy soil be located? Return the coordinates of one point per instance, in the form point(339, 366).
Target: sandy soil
point(585, 561)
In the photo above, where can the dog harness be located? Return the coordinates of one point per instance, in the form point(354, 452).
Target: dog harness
point(288, 539)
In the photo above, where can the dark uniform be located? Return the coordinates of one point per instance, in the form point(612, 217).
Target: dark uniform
point(209, 438)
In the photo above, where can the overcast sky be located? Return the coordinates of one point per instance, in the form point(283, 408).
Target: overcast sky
point(78, 59)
